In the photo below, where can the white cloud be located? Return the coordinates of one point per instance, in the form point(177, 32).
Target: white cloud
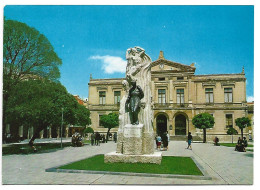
point(250, 98)
point(111, 64)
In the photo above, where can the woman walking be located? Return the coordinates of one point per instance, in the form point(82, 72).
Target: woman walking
point(189, 140)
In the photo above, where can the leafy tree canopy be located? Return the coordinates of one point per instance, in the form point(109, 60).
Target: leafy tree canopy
point(109, 121)
point(40, 102)
point(27, 53)
point(203, 121)
point(88, 130)
point(232, 131)
point(243, 122)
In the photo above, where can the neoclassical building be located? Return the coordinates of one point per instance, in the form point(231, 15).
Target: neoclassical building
point(178, 95)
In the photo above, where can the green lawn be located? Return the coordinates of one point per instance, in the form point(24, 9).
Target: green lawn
point(233, 145)
point(169, 165)
point(26, 149)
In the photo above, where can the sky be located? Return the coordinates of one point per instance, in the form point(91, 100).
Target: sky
point(93, 39)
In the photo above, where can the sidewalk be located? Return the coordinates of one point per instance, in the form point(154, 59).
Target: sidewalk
point(223, 164)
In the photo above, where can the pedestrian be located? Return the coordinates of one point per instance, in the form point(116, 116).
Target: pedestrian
point(98, 139)
point(168, 138)
point(245, 142)
point(159, 142)
point(189, 140)
point(239, 145)
point(92, 138)
point(165, 141)
point(115, 137)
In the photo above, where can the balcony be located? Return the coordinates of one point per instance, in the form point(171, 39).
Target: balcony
point(170, 105)
point(109, 107)
point(200, 106)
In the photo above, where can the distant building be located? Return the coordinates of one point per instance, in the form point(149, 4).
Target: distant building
point(178, 95)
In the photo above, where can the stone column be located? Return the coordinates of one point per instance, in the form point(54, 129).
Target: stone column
point(171, 91)
point(168, 129)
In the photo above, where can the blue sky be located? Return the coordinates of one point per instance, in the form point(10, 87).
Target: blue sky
point(93, 39)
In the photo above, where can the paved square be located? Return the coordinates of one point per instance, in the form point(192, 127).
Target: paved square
point(223, 164)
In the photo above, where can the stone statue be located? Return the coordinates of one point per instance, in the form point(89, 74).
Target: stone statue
point(138, 76)
point(133, 102)
point(135, 134)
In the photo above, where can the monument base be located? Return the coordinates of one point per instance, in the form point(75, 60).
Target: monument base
point(114, 157)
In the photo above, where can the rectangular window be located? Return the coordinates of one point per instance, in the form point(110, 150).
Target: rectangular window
point(228, 94)
point(117, 95)
point(180, 96)
point(102, 97)
point(160, 79)
point(99, 123)
point(229, 120)
point(180, 78)
point(209, 95)
point(161, 96)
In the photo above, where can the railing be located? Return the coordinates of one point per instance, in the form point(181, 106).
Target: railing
point(205, 105)
point(104, 106)
point(116, 107)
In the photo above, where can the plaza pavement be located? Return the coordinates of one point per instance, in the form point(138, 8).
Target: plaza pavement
point(223, 164)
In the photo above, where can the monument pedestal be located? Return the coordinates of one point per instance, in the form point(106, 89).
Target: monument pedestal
point(134, 146)
point(132, 143)
point(113, 157)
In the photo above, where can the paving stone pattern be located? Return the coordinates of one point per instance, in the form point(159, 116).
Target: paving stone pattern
point(223, 164)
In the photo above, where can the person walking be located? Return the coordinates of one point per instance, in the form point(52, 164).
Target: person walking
point(189, 140)
point(159, 142)
point(168, 138)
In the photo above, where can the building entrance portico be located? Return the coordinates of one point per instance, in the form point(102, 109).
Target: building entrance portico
point(161, 124)
point(180, 124)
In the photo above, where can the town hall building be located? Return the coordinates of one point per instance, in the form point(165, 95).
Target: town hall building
point(178, 95)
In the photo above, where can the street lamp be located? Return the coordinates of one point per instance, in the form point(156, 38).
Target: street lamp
point(61, 127)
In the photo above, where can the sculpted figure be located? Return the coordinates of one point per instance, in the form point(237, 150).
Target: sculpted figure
point(133, 102)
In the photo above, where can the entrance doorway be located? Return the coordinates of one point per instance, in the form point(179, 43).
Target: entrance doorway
point(161, 124)
point(180, 125)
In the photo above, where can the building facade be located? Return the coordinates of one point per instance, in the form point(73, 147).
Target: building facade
point(178, 95)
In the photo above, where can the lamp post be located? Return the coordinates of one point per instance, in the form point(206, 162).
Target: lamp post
point(61, 127)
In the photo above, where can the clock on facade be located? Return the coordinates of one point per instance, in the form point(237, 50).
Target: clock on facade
point(161, 66)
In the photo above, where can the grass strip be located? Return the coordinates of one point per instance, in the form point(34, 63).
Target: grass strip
point(233, 144)
point(169, 165)
point(26, 149)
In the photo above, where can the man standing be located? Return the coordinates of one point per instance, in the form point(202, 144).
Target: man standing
point(92, 138)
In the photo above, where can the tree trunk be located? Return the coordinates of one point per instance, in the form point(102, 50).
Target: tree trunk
point(204, 135)
point(232, 138)
point(242, 133)
point(107, 134)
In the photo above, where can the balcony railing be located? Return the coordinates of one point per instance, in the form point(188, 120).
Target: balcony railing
point(205, 105)
point(104, 106)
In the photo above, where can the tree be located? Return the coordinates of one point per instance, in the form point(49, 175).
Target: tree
point(242, 123)
point(26, 54)
point(232, 131)
point(109, 121)
point(203, 121)
point(40, 102)
point(88, 130)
